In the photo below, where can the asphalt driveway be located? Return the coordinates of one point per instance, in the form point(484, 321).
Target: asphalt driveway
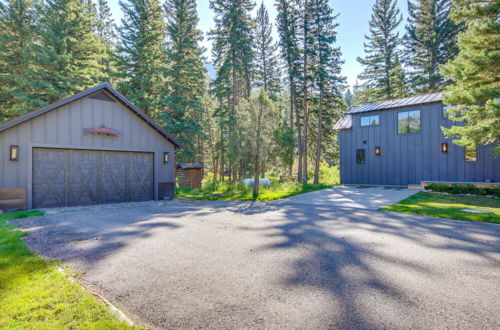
point(280, 265)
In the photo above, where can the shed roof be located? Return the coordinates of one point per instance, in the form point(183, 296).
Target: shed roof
point(189, 165)
point(103, 86)
point(396, 103)
point(344, 123)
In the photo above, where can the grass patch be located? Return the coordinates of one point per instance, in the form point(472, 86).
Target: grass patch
point(448, 206)
point(35, 295)
point(238, 191)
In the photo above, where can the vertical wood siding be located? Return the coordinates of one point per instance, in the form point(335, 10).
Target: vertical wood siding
point(410, 158)
point(64, 126)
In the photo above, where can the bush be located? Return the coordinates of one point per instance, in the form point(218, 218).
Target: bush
point(456, 189)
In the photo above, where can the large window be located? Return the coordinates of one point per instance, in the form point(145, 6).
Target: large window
point(409, 122)
point(470, 154)
point(370, 120)
point(360, 156)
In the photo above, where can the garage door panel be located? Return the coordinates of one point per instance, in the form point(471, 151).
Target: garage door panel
point(63, 177)
point(49, 175)
point(84, 186)
point(142, 177)
point(115, 180)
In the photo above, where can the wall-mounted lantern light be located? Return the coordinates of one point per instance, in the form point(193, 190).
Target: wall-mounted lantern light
point(165, 157)
point(14, 153)
point(444, 147)
point(377, 151)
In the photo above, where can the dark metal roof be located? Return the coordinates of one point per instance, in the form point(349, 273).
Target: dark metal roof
point(103, 86)
point(396, 103)
point(344, 123)
point(189, 165)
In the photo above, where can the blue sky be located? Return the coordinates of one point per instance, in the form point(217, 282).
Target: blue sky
point(353, 20)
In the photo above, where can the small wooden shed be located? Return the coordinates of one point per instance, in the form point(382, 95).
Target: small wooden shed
point(190, 175)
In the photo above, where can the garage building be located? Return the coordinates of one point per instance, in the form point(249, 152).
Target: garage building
point(94, 147)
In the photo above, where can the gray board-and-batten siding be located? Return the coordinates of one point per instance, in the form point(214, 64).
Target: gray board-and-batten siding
point(61, 126)
point(412, 157)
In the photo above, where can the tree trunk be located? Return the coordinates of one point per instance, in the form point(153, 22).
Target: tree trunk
point(318, 142)
point(305, 92)
point(255, 191)
point(299, 138)
point(221, 154)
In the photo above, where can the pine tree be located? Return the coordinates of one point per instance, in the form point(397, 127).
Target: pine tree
point(383, 76)
point(327, 68)
point(232, 47)
point(349, 97)
point(288, 30)
point(186, 76)
point(308, 54)
point(266, 72)
point(106, 30)
point(142, 55)
point(68, 57)
point(475, 72)
point(430, 40)
point(18, 19)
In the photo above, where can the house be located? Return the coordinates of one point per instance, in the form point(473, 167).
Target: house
point(400, 142)
point(91, 148)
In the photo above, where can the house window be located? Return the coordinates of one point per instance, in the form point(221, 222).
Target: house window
point(409, 122)
point(370, 120)
point(470, 154)
point(360, 156)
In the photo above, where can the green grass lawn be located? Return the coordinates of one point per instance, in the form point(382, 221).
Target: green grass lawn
point(35, 295)
point(449, 206)
point(240, 192)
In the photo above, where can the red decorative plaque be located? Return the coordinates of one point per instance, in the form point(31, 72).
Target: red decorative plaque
point(103, 130)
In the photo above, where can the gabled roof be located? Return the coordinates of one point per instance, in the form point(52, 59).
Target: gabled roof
point(396, 103)
point(189, 165)
point(103, 86)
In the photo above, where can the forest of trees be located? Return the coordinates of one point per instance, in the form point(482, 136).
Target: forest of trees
point(272, 104)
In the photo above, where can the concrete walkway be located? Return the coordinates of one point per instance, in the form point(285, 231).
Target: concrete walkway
point(359, 197)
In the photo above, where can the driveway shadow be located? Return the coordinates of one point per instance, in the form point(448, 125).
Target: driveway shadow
point(341, 261)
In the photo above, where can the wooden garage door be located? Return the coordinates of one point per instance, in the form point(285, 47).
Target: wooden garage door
point(63, 177)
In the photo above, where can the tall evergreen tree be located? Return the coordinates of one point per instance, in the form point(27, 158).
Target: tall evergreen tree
point(308, 54)
point(266, 72)
point(68, 57)
point(17, 34)
point(475, 72)
point(288, 30)
point(431, 40)
point(383, 76)
point(106, 30)
point(186, 76)
point(349, 97)
point(142, 55)
point(232, 47)
point(327, 68)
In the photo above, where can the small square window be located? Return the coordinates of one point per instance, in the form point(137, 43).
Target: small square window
point(470, 154)
point(370, 120)
point(360, 156)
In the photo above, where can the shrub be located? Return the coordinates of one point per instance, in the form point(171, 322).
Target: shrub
point(456, 189)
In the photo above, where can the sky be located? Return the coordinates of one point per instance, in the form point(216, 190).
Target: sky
point(353, 25)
